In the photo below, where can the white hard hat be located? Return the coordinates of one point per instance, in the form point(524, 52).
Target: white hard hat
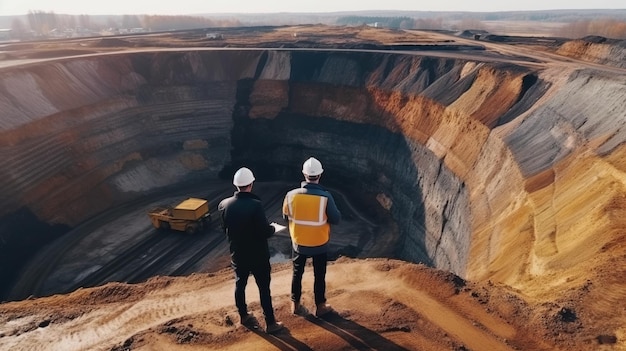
point(243, 177)
point(312, 167)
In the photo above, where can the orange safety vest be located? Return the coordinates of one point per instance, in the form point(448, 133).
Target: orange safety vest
point(307, 219)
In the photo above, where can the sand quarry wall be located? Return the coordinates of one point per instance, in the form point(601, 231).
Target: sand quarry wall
point(492, 171)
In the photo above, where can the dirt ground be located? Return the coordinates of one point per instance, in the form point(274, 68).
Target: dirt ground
point(381, 304)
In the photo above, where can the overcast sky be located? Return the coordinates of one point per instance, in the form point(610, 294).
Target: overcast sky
point(178, 7)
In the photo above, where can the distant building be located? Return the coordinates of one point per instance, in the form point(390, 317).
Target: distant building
point(214, 36)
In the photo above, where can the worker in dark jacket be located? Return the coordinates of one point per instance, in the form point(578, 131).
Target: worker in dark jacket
point(311, 210)
point(248, 229)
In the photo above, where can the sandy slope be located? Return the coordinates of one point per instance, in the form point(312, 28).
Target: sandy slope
point(382, 304)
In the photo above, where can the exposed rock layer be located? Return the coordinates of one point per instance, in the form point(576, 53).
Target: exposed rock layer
point(492, 171)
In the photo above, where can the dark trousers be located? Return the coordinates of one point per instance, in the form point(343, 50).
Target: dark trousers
point(261, 273)
point(319, 276)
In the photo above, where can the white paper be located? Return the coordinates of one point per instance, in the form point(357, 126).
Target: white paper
point(278, 227)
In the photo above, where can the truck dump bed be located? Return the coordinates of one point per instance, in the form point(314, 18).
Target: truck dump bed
point(191, 209)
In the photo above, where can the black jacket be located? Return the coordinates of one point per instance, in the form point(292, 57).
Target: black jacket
point(247, 228)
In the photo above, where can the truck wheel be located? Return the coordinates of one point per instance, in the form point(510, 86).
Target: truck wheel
point(191, 229)
point(164, 225)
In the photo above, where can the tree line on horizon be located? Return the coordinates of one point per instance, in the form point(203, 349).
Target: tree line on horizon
point(40, 24)
point(607, 28)
point(43, 24)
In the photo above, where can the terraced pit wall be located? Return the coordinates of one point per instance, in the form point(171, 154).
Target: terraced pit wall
point(486, 168)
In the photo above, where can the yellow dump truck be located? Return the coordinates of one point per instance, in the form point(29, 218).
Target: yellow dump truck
point(190, 216)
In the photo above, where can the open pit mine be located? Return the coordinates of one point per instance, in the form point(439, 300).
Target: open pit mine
point(498, 168)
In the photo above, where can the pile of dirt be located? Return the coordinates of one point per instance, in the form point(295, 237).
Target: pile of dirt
point(596, 49)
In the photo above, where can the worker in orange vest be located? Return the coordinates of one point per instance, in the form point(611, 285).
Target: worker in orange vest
point(310, 210)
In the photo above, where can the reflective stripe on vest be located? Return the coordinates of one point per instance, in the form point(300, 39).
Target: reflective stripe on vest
point(321, 211)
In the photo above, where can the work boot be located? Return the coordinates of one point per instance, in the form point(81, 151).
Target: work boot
point(298, 309)
point(273, 328)
point(246, 319)
point(323, 309)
